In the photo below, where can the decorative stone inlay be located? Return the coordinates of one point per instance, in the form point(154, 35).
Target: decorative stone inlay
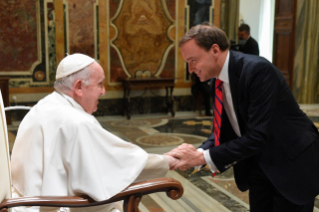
point(131, 123)
point(192, 123)
point(81, 39)
point(159, 140)
point(39, 75)
point(208, 131)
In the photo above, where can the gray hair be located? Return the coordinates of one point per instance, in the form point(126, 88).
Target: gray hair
point(205, 36)
point(65, 84)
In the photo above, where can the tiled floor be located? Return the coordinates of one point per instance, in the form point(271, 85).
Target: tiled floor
point(159, 134)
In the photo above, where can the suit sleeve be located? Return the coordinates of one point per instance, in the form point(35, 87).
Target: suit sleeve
point(251, 47)
point(209, 143)
point(255, 49)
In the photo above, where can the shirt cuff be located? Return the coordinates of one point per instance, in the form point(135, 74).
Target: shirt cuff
point(200, 166)
point(209, 161)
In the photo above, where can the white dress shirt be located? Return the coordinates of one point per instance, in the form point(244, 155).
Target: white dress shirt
point(229, 108)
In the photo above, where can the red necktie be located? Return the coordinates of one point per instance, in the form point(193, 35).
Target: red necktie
point(218, 109)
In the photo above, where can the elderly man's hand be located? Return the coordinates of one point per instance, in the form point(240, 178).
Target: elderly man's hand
point(188, 155)
point(172, 161)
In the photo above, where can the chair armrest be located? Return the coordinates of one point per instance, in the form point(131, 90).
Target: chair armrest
point(131, 196)
point(54, 201)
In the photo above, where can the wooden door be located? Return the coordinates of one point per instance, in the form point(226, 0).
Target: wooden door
point(284, 38)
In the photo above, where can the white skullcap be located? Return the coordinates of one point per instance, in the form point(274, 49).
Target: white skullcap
point(73, 63)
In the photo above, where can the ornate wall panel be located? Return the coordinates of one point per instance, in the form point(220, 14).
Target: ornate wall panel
point(81, 26)
point(23, 42)
point(19, 36)
point(142, 39)
point(125, 36)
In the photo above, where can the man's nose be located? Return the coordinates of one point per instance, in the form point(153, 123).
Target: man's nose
point(103, 91)
point(190, 69)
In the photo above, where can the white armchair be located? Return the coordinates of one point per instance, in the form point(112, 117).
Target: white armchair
point(131, 196)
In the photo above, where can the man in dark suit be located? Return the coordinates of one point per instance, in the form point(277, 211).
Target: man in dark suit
point(250, 45)
point(271, 144)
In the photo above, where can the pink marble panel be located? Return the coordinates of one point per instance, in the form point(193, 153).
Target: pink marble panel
point(171, 4)
point(116, 73)
point(113, 5)
point(169, 68)
point(18, 35)
point(81, 26)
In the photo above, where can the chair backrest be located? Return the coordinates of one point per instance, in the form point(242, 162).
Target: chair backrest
point(5, 173)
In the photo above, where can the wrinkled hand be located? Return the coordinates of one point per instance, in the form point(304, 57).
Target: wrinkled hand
point(172, 161)
point(188, 157)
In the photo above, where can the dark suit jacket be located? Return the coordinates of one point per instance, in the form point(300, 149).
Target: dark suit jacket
point(276, 134)
point(250, 47)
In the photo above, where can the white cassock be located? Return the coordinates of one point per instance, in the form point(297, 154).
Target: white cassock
point(61, 150)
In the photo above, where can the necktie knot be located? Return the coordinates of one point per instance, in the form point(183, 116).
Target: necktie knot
point(219, 84)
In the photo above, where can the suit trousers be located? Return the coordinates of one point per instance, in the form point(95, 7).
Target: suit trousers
point(264, 197)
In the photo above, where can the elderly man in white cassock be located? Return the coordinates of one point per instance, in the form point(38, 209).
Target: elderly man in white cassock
point(61, 149)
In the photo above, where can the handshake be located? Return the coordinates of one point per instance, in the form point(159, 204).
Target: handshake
point(184, 157)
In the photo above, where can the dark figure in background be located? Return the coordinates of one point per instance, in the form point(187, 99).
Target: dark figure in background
point(204, 88)
point(260, 129)
point(250, 45)
point(202, 11)
point(200, 14)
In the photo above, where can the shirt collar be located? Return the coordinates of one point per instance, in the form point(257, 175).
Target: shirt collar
point(223, 76)
point(72, 102)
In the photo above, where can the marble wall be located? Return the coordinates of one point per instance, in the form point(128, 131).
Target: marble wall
point(24, 31)
point(18, 24)
point(125, 37)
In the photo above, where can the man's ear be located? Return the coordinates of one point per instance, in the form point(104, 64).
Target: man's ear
point(78, 88)
point(215, 49)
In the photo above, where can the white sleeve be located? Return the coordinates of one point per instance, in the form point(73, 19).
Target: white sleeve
point(208, 160)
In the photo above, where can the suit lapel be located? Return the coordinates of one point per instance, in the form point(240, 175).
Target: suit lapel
point(234, 70)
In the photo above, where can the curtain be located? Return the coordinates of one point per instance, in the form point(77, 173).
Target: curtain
point(306, 67)
point(266, 28)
